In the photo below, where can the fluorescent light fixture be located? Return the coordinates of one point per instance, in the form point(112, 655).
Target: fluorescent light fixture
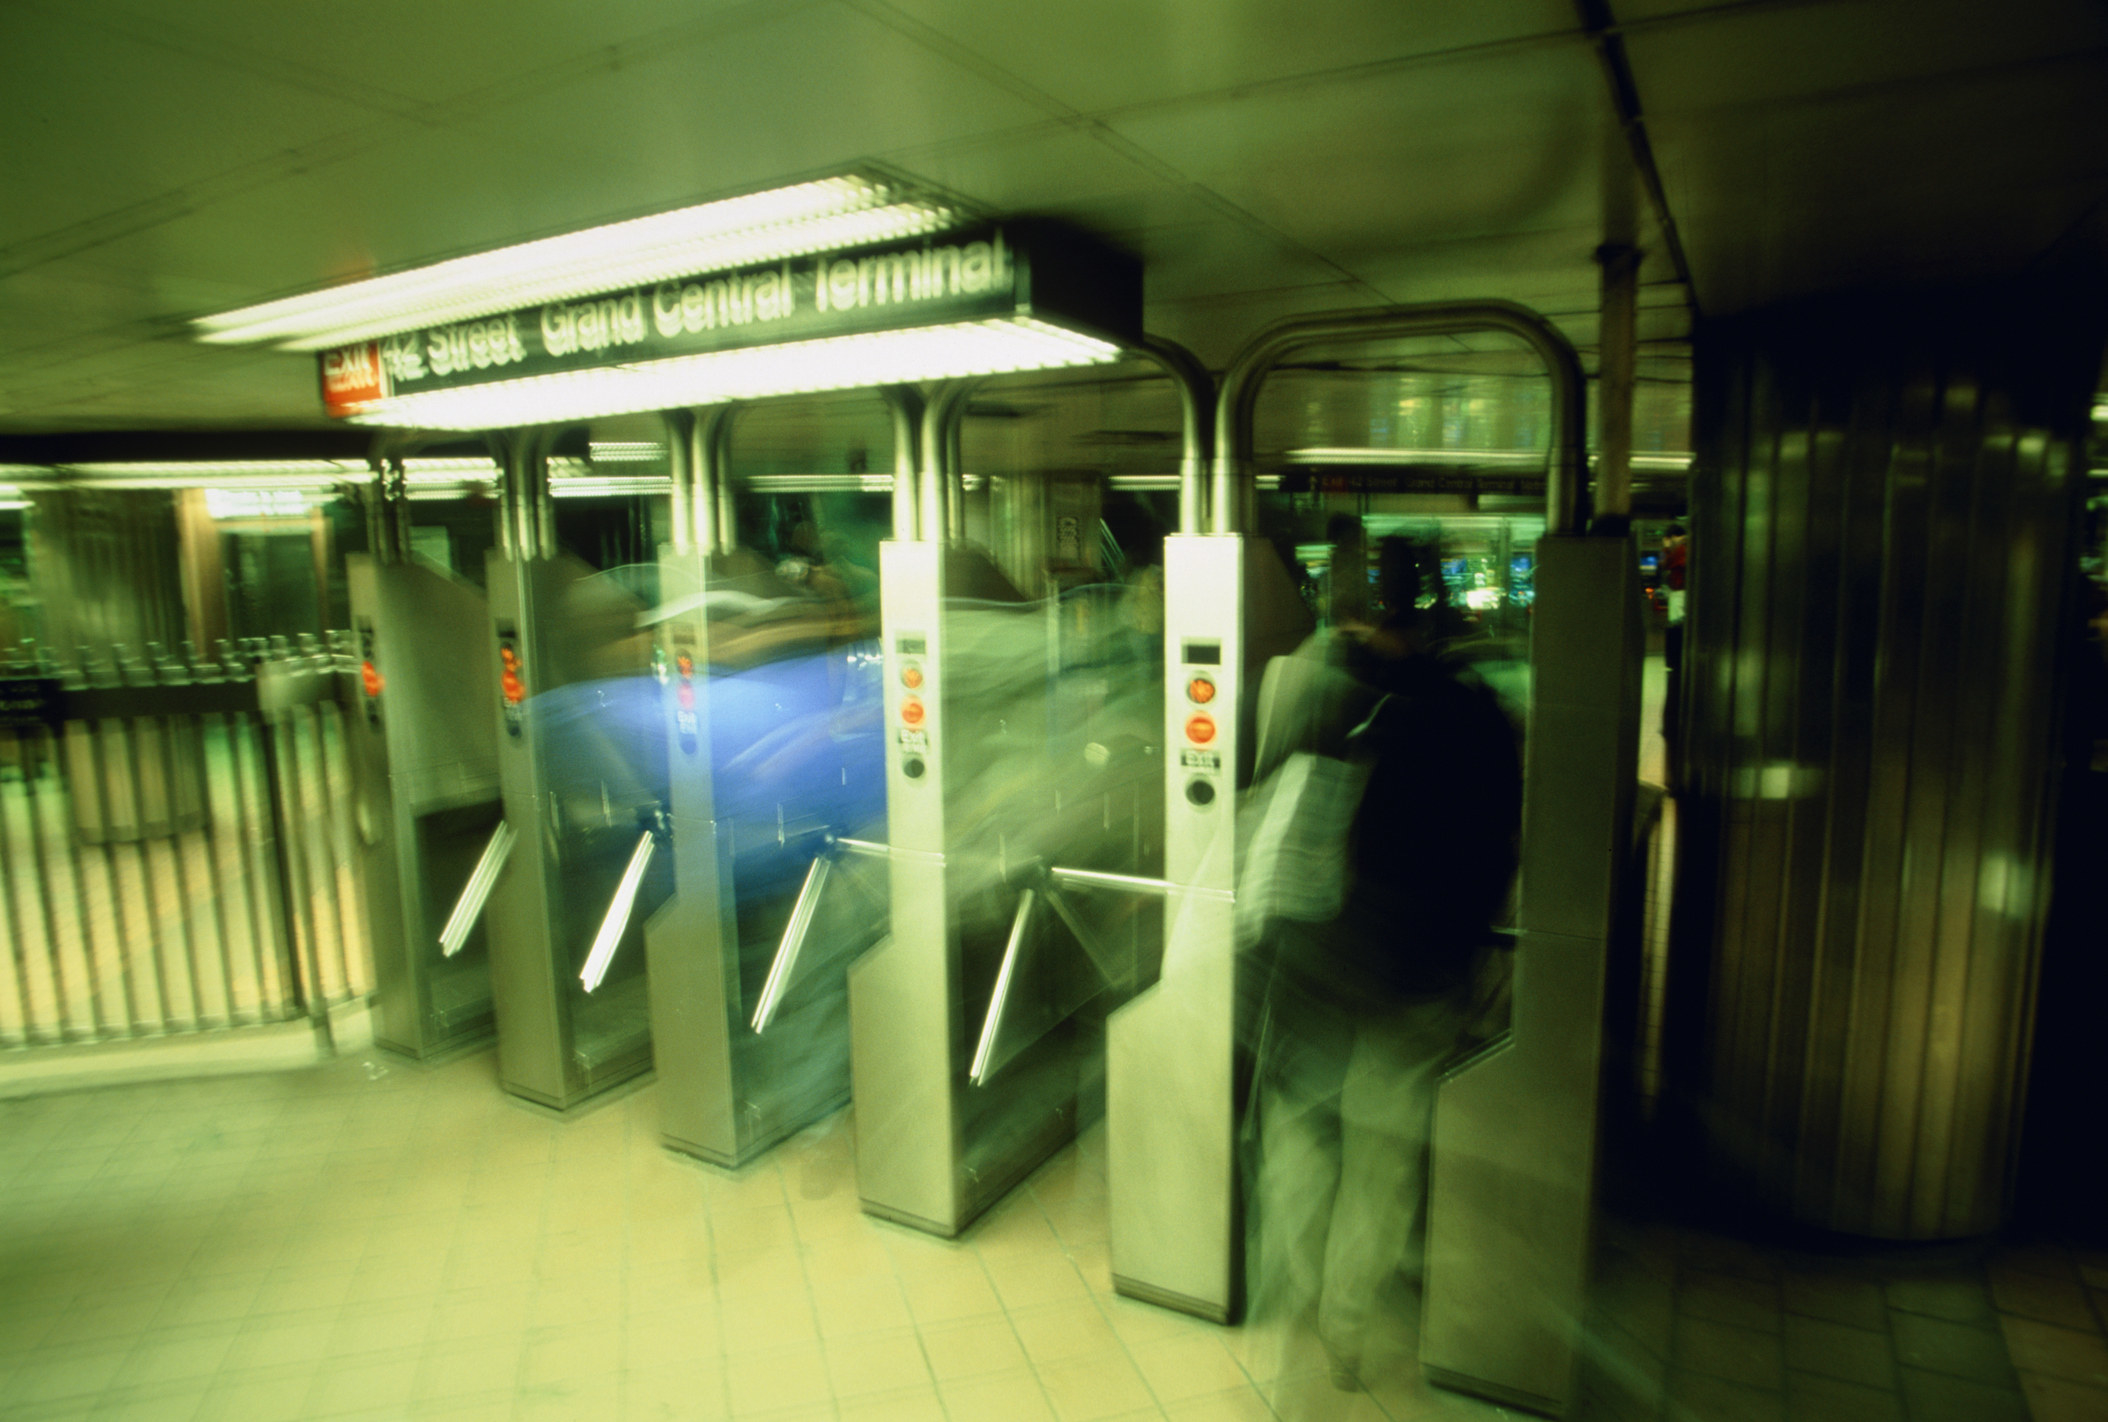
point(871, 483)
point(628, 452)
point(1670, 460)
point(1144, 483)
point(607, 486)
point(257, 503)
point(966, 348)
point(219, 474)
point(843, 211)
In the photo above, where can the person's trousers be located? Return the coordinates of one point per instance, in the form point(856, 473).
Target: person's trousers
point(1345, 1106)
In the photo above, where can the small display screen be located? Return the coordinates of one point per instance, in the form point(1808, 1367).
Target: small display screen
point(912, 646)
point(1650, 561)
point(1204, 654)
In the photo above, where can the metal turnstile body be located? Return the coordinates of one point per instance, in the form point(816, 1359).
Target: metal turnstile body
point(1514, 1153)
point(1171, 1107)
point(934, 1149)
point(573, 802)
point(424, 759)
point(732, 1084)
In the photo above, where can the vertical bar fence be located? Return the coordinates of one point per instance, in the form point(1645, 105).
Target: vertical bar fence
point(176, 851)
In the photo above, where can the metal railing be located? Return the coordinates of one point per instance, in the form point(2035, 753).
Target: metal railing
point(176, 850)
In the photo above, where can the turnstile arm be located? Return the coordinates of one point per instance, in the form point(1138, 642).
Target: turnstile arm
point(469, 907)
point(1020, 926)
point(793, 941)
point(619, 909)
point(792, 945)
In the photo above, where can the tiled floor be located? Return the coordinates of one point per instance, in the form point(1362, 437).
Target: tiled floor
point(376, 1239)
point(1726, 1329)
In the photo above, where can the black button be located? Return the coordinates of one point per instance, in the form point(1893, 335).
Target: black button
point(912, 767)
point(1201, 792)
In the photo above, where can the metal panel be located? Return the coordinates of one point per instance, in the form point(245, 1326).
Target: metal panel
point(1512, 1182)
point(693, 942)
point(1879, 525)
point(1170, 1058)
point(905, 1033)
point(424, 738)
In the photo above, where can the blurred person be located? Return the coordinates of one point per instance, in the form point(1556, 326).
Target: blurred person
point(1675, 565)
point(1346, 572)
point(1359, 1014)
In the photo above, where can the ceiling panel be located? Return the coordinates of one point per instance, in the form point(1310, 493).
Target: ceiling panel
point(1096, 55)
point(1359, 167)
point(1765, 55)
point(397, 53)
point(816, 90)
point(1266, 157)
point(1927, 181)
point(100, 127)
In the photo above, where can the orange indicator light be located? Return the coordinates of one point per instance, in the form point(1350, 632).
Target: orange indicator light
point(1200, 729)
point(912, 711)
point(1200, 691)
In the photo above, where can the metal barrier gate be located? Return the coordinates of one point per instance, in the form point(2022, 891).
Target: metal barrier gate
point(175, 844)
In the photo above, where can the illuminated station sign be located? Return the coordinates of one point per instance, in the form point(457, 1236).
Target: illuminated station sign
point(1029, 279)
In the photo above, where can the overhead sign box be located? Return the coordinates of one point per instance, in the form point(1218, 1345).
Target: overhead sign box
point(992, 271)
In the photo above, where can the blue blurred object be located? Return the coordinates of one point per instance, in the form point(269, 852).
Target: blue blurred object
point(795, 751)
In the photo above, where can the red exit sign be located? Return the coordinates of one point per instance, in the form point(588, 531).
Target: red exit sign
point(352, 378)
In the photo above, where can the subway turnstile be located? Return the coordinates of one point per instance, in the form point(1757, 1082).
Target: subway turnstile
point(424, 758)
point(933, 1149)
point(771, 768)
point(581, 767)
point(1514, 1144)
point(977, 1024)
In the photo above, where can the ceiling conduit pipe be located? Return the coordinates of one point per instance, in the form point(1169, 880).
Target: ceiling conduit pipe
point(904, 406)
point(1233, 474)
point(1196, 404)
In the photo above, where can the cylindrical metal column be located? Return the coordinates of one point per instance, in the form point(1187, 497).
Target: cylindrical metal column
point(1617, 347)
point(1880, 515)
point(714, 483)
point(904, 404)
point(680, 463)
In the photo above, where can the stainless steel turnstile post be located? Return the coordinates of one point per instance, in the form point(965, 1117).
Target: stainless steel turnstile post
point(559, 1043)
point(936, 1142)
point(738, 1070)
point(424, 756)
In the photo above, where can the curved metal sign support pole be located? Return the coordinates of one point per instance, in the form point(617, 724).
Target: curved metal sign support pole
point(1249, 369)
